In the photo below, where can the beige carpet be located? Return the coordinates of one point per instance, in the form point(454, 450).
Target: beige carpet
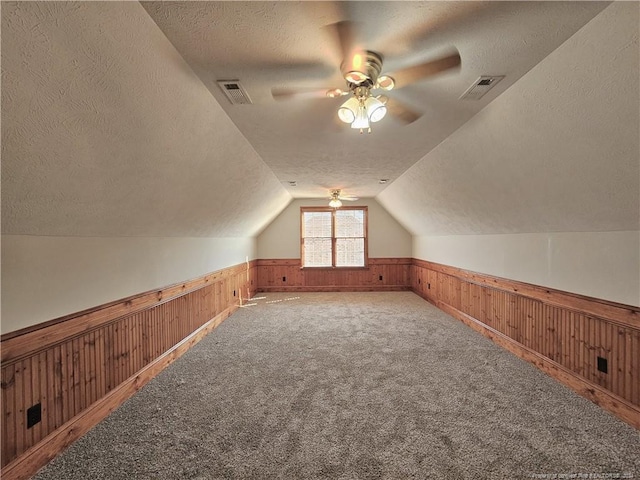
point(350, 386)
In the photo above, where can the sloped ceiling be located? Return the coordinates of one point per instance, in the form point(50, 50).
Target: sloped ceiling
point(106, 131)
point(557, 152)
point(268, 45)
point(113, 124)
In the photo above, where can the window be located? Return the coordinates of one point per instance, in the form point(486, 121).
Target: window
point(333, 237)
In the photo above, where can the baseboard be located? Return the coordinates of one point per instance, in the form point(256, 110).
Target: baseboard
point(616, 405)
point(25, 466)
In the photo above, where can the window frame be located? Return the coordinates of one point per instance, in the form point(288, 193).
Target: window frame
point(333, 211)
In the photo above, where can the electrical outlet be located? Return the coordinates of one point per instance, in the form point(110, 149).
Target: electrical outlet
point(34, 415)
point(284, 279)
point(602, 365)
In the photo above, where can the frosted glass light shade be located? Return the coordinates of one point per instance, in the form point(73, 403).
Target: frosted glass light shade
point(335, 203)
point(361, 120)
point(347, 111)
point(375, 109)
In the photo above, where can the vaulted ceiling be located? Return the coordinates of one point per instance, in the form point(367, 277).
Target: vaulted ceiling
point(288, 45)
point(113, 122)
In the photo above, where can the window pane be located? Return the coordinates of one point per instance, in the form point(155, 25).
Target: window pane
point(350, 252)
point(350, 223)
point(317, 252)
point(317, 224)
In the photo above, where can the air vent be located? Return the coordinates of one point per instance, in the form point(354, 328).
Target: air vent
point(235, 92)
point(480, 87)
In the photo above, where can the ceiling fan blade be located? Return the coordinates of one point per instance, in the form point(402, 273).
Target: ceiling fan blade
point(352, 56)
point(348, 198)
point(401, 111)
point(345, 34)
point(289, 93)
point(412, 74)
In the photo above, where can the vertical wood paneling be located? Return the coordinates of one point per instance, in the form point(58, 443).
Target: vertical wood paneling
point(628, 364)
point(583, 334)
point(286, 275)
point(571, 340)
point(9, 412)
point(58, 407)
point(563, 334)
point(44, 393)
point(35, 397)
point(68, 375)
point(554, 334)
point(77, 349)
point(99, 364)
point(20, 427)
point(67, 382)
point(634, 368)
point(592, 347)
point(610, 354)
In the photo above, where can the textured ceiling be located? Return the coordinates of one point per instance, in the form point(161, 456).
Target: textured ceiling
point(106, 131)
point(113, 124)
point(287, 44)
point(559, 151)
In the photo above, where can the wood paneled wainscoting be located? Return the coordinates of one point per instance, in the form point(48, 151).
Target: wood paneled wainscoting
point(590, 345)
point(286, 275)
point(72, 372)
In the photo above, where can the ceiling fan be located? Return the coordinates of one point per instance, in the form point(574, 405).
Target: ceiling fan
point(336, 197)
point(362, 70)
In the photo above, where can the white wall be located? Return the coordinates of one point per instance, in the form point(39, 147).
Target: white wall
point(46, 277)
point(598, 264)
point(543, 185)
point(281, 238)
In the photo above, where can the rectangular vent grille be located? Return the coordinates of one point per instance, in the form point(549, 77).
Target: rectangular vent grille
point(235, 92)
point(480, 87)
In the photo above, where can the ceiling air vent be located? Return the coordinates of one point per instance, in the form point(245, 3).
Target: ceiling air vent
point(235, 92)
point(480, 87)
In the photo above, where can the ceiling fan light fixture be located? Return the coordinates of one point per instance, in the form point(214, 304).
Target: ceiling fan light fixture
point(376, 110)
point(346, 115)
point(335, 203)
point(348, 110)
point(362, 119)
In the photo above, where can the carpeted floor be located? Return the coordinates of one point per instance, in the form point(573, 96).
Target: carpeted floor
point(351, 386)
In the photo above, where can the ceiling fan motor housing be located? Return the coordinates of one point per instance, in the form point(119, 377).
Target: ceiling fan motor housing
point(367, 74)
